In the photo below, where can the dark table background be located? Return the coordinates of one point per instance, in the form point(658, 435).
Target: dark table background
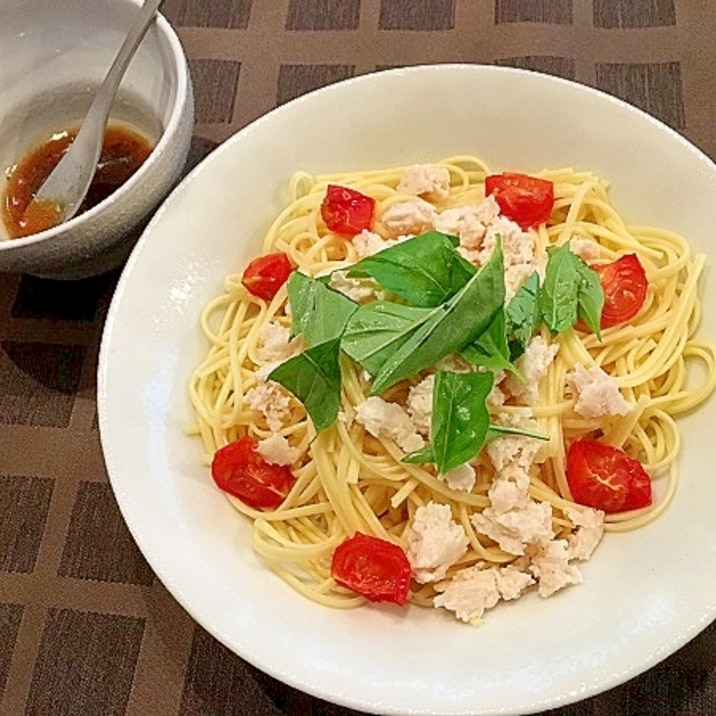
point(86, 629)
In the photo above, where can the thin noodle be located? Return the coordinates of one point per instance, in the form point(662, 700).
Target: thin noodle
point(349, 480)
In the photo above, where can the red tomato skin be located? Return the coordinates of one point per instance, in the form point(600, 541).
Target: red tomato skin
point(374, 568)
point(527, 200)
point(239, 469)
point(606, 478)
point(266, 274)
point(346, 211)
point(625, 285)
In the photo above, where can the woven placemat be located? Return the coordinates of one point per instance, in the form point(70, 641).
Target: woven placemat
point(85, 627)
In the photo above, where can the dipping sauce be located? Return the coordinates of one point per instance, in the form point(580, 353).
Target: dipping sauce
point(123, 152)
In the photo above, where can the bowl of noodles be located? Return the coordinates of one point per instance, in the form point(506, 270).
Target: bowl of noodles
point(419, 409)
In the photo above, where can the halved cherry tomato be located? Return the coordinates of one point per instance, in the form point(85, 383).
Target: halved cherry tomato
point(239, 469)
point(376, 569)
point(527, 200)
point(266, 274)
point(605, 477)
point(347, 211)
point(625, 284)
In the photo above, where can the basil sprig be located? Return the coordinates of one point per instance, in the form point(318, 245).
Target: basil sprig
point(442, 305)
point(425, 335)
point(314, 376)
point(460, 419)
point(460, 422)
point(571, 290)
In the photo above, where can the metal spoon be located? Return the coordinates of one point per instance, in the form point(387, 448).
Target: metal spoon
point(66, 186)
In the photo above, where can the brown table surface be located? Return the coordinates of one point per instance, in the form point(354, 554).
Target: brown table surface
point(85, 627)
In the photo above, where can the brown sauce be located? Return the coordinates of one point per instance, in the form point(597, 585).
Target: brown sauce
point(123, 152)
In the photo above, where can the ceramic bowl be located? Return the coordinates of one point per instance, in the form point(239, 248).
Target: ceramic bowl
point(645, 592)
point(54, 57)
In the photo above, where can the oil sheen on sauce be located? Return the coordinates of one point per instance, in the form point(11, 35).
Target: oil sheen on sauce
point(123, 151)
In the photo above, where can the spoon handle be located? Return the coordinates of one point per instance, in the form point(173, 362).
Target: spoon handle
point(70, 179)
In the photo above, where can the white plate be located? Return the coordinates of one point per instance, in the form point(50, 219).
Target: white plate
point(644, 594)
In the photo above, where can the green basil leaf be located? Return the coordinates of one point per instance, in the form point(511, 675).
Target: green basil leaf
point(378, 329)
point(490, 349)
point(590, 298)
point(523, 316)
point(560, 290)
point(314, 377)
point(571, 290)
point(460, 417)
point(446, 328)
point(424, 270)
point(317, 311)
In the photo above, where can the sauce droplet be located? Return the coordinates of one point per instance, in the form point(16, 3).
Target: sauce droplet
point(124, 150)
